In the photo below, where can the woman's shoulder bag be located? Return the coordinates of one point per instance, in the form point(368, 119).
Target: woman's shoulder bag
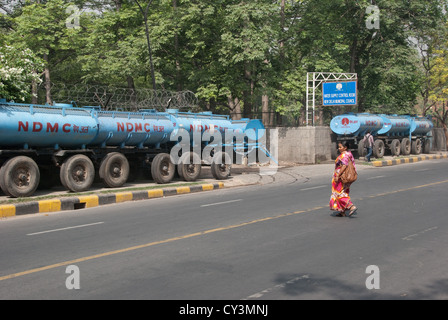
point(349, 175)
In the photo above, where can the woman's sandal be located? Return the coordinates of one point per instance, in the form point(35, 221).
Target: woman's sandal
point(340, 214)
point(352, 211)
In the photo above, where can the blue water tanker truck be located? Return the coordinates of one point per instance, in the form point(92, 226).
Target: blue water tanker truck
point(397, 134)
point(41, 145)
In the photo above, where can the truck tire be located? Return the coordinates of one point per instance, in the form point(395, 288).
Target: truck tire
point(395, 147)
point(162, 169)
point(416, 146)
point(19, 177)
point(361, 149)
point(405, 147)
point(427, 146)
point(77, 173)
point(221, 166)
point(189, 167)
point(114, 170)
point(378, 149)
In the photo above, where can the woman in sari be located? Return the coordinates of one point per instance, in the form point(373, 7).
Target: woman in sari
point(340, 197)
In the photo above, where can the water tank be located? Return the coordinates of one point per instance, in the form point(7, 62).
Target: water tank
point(356, 124)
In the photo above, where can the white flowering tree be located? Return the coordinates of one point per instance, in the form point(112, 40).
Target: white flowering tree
point(19, 68)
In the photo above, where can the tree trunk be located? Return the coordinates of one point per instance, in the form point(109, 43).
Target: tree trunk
point(235, 107)
point(132, 92)
point(179, 83)
point(265, 110)
point(118, 4)
point(445, 130)
point(47, 80)
point(34, 92)
point(145, 19)
point(248, 92)
point(282, 27)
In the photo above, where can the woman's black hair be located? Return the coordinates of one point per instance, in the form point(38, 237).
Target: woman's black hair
point(345, 144)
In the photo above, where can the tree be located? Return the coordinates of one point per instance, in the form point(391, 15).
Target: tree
point(113, 51)
point(42, 28)
point(18, 69)
point(438, 94)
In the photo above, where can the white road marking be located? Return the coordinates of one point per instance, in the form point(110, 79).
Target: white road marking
point(377, 177)
point(279, 286)
point(219, 203)
point(410, 237)
point(313, 188)
point(67, 228)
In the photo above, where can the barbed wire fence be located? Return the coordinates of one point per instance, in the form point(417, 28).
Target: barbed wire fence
point(116, 98)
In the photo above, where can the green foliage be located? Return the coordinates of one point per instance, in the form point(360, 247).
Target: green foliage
point(18, 68)
point(236, 49)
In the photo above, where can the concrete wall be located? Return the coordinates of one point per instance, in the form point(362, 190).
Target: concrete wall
point(311, 145)
point(306, 145)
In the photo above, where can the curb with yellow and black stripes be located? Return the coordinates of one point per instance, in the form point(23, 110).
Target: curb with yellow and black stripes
point(90, 201)
point(408, 160)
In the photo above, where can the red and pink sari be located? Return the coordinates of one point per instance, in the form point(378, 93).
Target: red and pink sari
point(340, 192)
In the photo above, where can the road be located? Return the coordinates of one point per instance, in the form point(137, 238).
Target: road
point(276, 241)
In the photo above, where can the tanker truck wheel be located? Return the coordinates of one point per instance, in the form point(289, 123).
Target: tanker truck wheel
point(189, 167)
point(77, 173)
point(19, 177)
point(221, 166)
point(361, 149)
point(427, 146)
point(405, 146)
point(162, 169)
point(416, 146)
point(114, 170)
point(395, 147)
point(378, 149)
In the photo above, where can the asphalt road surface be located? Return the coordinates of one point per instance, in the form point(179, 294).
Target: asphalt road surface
point(276, 241)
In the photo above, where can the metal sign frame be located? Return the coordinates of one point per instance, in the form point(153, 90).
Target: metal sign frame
point(313, 81)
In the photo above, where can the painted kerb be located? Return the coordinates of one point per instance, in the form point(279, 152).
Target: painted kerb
point(90, 201)
point(407, 160)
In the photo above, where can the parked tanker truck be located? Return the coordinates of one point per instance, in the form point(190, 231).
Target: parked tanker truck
point(44, 144)
point(397, 134)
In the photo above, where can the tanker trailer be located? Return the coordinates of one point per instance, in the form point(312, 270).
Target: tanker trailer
point(352, 127)
point(395, 135)
point(130, 141)
point(31, 141)
point(421, 129)
point(70, 144)
point(214, 140)
point(403, 134)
